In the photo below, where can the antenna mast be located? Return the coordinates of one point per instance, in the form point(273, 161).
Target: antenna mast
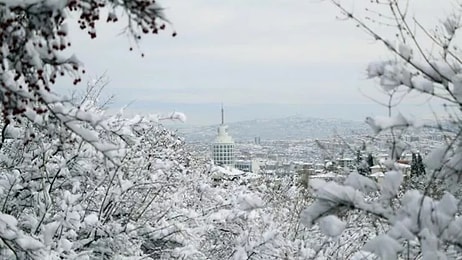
point(222, 114)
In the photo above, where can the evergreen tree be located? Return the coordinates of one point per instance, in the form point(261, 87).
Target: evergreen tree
point(370, 160)
point(420, 165)
point(363, 165)
point(414, 166)
point(359, 158)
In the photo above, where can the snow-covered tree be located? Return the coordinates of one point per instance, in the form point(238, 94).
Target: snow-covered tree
point(85, 184)
point(34, 36)
point(418, 222)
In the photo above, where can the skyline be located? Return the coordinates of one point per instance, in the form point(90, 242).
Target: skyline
point(279, 57)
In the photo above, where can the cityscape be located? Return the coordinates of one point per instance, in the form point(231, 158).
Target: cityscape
point(327, 157)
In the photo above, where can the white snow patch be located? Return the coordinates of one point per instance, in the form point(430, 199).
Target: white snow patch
point(28, 243)
point(361, 182)
point(380, 123)
point(178, 116)
point(91, 220)
point(249, 202)
point(376, 69)
point(49, 231)
point(405, 51)
point(65, 245)
point(331, 225)
point(423, 84)
point(390, 184)
point(436, 158)
point(240, 254)
point(383, 246)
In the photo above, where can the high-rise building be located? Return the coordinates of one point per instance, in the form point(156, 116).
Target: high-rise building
point(257, 140)
point(223, 146)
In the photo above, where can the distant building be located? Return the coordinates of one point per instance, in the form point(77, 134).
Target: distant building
point(346, 162)
point(248, 166)
point(257, 140)
point(377, 169)
point(223, 146)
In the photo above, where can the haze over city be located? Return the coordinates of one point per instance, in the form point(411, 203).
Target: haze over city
point(272, 60)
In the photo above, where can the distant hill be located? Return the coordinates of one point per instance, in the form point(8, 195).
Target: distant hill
point(288, 128)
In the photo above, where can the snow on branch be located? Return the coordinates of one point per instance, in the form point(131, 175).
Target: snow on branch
point(35, 35)
point(419, 215)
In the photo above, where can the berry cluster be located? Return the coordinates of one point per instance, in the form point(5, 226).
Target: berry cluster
point(34, 35)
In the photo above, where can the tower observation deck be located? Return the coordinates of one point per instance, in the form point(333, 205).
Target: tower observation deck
point(223, 146)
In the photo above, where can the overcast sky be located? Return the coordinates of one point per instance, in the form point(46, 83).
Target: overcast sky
point(260, 58)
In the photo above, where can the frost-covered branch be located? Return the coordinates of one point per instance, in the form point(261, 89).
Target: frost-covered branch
point(35, 35)
point(421, 217)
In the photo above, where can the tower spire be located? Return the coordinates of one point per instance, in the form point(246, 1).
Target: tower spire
point(222, 114)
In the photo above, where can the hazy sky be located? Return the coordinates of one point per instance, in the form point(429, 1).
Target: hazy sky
point(260, 58)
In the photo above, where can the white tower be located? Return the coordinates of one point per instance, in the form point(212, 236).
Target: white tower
point(223, 147)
